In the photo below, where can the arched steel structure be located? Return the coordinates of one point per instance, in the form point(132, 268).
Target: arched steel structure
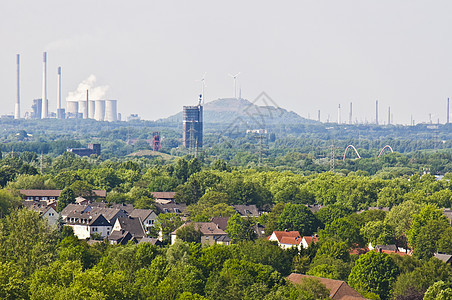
point(353, 147)
point(387, 146)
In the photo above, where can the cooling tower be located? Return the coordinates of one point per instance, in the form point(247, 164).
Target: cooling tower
point(72, 107)
point(82, 108)
point(91, 109)
point(99, 110)
point(110, 110)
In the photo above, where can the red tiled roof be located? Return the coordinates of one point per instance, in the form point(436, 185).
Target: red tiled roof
point(339, 290)
point(310, 239)
point(288, 237)
point(55, 193)
point(163, 195)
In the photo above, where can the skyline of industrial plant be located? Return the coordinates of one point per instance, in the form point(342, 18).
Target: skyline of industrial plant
point(327, 57)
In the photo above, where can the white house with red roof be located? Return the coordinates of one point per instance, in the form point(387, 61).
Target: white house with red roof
point(308, 240)
point(286, 239)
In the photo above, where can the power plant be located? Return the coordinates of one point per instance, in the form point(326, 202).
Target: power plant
point(193, 126)
point(98, 109)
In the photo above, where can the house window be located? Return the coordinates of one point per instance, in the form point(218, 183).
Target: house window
point(166, 210)
point(36, 198)
point(44, 198)
point(52, 198)
point(177, 210)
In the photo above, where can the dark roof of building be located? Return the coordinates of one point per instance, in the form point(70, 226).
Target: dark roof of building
point(132, 225)
point(339, 290)
point(222, 238)
point(141, 213)
point(163, 195)
point(109, 213)
point(77, 218)
point(121, 237)
point(55, 193)
point(222, 222)
point(39, 206)
point(124, 206)
point(171, 208)
point(247, 210)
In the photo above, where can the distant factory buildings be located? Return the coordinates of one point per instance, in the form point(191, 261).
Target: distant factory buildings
point(92, 149)
point(193, 126)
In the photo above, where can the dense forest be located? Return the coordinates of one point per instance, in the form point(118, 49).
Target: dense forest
point(281, 173)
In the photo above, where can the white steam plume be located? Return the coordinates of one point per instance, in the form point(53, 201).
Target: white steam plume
point(95, 92)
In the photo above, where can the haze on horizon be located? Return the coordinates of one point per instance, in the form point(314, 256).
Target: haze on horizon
point(306, 55)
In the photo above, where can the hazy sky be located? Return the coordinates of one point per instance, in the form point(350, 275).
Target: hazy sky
point(307, 55)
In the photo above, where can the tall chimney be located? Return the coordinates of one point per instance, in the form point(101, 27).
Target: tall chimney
point(350, 116)
point(59, 89)
point(448, 111)
point(389, 115)
point(45, 104)
point(339, 114)
point(376, 112)
point(318, 115)
point(85, 113)
point(17, 106)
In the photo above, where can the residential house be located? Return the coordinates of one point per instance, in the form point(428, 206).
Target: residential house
point(132, 225)
point(306, 241)
point(448, 213)
point(147, 216)
point(222, 222)
point(127, 207)
point(339, 290)
point(286, 239)
point(47, 211)
point(247, 210)
point(52, 195)
point(178, 209)
point(120, 237)
point(210, 233)
point(85, 224)
point(111, 214)
point(163, 197)
point(390, 249)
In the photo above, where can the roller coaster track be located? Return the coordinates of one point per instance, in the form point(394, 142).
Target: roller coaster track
point(387, 146)
point(353, 147)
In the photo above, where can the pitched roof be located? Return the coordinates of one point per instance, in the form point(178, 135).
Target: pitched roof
point(152, 241)
point(339, 290)
point(171, 208)
point(287, 237)
point(132, 225)
point(206, 228)
point(55, 193)
point(124, 206)
point(120, 237)
point(141, 213)
point(222, 222)
point(77, 218)
point(310, 239)
point(444, 257)
point(315, 207)
point(247, 210)
point(163, 195)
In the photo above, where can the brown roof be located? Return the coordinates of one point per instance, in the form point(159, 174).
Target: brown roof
point(132, 225)
point(55, 193)
point(163, 195)
point(310, 239)
point(246, 210)
point(222, 222)
point(339, 290)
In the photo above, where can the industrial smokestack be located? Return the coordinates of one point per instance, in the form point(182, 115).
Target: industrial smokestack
point(85, 112)
point(45, 104)
point(339, 114)
point(350, 116)
point(389, 115)
point(318, 115)
point(448, 111)
point(59, 89)
point(376, 112)
point(17, 106)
